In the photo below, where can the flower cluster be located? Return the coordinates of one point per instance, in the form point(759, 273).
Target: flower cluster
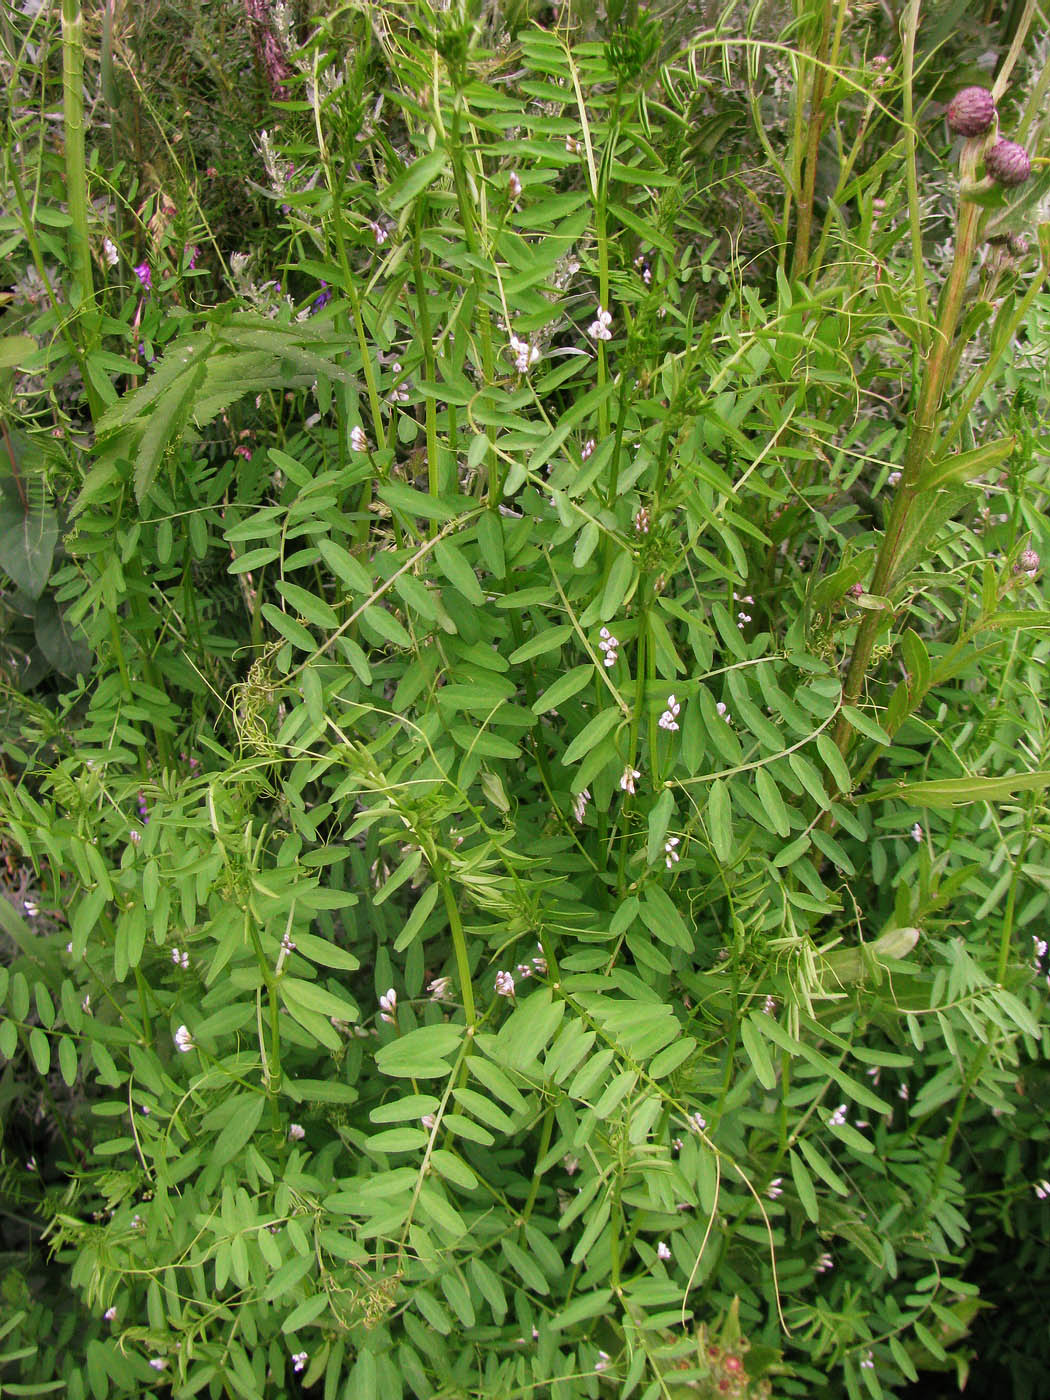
point(669, 718)
point(629, 778)
point(504, 984)
point(358, 441)
point(180, 958)
point(671, 856)
point(183, 1040)
point(525, 355)
point(838, 1117)
point(599, 328)
point(609, 645)
point(579, 805)
point(388, 1007)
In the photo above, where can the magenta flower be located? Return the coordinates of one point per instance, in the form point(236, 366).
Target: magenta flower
point(142, 272)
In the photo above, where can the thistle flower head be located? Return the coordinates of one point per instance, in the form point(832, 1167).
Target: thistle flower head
point(971, 111)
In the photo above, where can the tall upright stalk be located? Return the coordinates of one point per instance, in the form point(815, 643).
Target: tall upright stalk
point(82, 289)
point(935, 382)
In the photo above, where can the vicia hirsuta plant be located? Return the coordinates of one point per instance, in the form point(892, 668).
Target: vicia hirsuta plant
point(491, 916)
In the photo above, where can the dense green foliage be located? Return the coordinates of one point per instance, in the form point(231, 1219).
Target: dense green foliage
point(522, 652)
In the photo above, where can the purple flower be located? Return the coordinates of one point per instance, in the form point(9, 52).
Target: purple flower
point(142, 272)
point(322, 299)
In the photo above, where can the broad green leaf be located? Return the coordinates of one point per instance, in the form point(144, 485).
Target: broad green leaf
point(458, 572)
point(865, 725)
point(564, 688)
point(592, 733)
point(720, 820)
point(314, 609)
point(422, 1053)
point(345, 567)
point(415, 179)
point(757, 1053)
point(28, 535)
point(957, 792)
point(804, 1186)
point(238, 1130)
point(311, 997)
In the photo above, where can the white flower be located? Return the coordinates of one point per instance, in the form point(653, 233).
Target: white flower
point(388, 1007)
point(627, 781)
point(572, 145)
point(31, 907)
point(287, 946)
point(1042, 1189)
point(902, 1092)
point(838, 1117)
point(721, 709)
point(669, 718)
point(135, 837)
point(513, 185)
point(438, 989)
point(296, 1132)
point(662, 1250)
point(916, 833)
point(608, 644)
point(599, 329)
point(504, 984)
point(579, 805)
point(893, 479)
point(109, 252)
point(180, 959)
point(587, 448)
point(183, 1040)
point(697, 1122)
point(824, 1263)
point(602, 1362)
point(540, 962)
point(775, 1188)
point(641, 521)
point(523, 970)
point(158, 1363)
point(868, 1363)
point(358, 441)
point(769, 1006)
point(86, 1003)
point(671, 856)
point(428, 1120)
point(109, 1314)
point(379, 233)
point(525, 355)
point(1040, 946)
point(299, 1360)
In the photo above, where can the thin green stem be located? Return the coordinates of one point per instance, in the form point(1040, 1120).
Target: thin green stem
point(459, 946)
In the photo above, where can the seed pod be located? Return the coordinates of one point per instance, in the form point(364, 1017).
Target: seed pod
point(1008, 163)
point(972, 111)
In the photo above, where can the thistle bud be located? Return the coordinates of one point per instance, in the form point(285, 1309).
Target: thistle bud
point(1028, 562)
point(971, 112)
point(1008, 163)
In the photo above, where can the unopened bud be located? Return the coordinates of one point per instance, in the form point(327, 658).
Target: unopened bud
point(972, 111)
point(1008, 163)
